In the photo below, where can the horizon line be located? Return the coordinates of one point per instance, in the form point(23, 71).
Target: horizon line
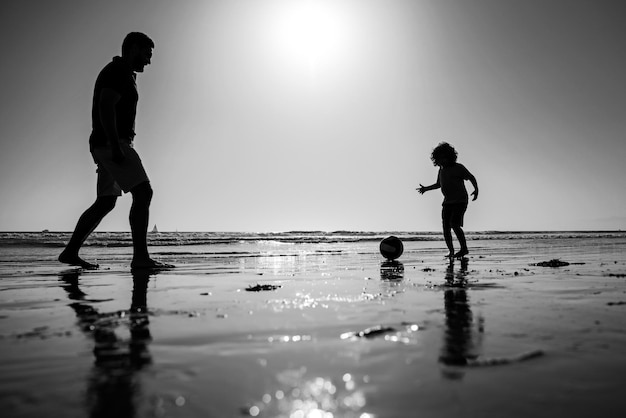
point(510, 231)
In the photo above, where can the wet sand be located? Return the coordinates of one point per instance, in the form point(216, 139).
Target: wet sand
point(332, 331)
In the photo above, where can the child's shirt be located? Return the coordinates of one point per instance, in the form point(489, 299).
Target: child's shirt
point(452, 182)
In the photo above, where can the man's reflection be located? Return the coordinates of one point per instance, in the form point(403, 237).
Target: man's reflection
point(114, 385)
point(459, 338)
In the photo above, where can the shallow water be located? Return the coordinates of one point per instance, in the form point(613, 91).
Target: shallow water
point(452, 338)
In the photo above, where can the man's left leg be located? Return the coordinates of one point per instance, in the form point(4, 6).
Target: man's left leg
point(86, 224)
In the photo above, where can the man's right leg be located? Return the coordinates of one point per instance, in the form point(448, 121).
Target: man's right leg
point(139, 214)
point(88, 221)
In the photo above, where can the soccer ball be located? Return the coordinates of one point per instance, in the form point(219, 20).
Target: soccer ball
point(391, 247)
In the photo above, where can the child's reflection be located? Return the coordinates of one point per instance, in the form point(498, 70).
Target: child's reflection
point(459, 338)
point(114, 385)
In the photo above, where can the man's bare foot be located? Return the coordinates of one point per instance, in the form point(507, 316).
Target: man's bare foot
point(75, 260)
point(149, 264)
point(462, 253)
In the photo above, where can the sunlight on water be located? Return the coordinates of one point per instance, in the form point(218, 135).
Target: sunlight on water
point(317, 397)
point(288, 338)
point(306, 300)
point(404, 335)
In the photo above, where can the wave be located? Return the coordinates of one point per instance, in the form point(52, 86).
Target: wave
point(123, 239)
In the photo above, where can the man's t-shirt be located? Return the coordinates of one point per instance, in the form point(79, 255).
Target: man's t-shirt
point(451, 180)
point(117, 76)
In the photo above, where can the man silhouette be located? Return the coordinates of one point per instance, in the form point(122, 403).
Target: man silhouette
point(111, 144)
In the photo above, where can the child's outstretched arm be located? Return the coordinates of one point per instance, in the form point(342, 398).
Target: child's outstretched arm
point(424, 189)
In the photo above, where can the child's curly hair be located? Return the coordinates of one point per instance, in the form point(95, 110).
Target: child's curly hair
point(443, 150)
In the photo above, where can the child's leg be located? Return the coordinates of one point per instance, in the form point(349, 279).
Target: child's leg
point(447, 229)
point(458, 231)
point(458, 213)
point(447, 236)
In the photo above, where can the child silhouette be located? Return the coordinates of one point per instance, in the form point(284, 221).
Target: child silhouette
point(451, 180)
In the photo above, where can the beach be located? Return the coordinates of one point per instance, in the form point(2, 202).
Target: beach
point(299, 325)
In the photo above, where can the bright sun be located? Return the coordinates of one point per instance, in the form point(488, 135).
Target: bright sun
point(313, 34)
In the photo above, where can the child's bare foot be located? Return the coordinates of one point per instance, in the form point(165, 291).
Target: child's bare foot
point(462, 253)
point(75, 260)
point(149, 264)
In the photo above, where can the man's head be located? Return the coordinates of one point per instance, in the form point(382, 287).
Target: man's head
point(137, 49)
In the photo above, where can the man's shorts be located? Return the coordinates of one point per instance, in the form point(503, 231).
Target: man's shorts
point(113, 178)
point(452, 214)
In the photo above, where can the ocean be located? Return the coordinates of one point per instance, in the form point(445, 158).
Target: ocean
point(38, 249)
point(123, 239)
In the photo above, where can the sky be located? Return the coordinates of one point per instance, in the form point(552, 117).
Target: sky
point(282, 115)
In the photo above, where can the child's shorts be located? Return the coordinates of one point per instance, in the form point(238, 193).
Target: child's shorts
point(113, 178)
point(452, 214)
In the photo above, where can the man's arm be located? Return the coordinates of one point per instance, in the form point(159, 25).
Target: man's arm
point(106, 106)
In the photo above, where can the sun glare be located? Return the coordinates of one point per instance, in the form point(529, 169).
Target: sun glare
point(312, 34)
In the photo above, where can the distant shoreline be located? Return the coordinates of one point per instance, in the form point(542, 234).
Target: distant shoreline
point(563, 231)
